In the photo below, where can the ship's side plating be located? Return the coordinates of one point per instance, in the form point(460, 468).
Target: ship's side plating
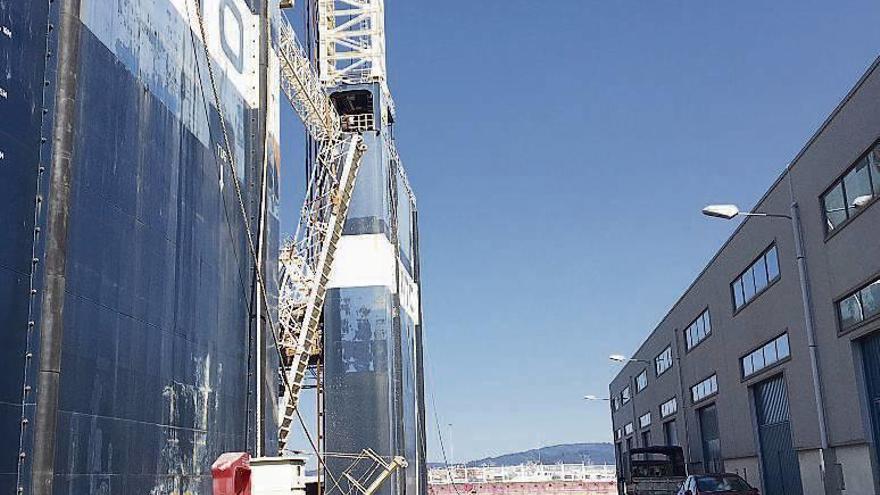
point(129, 311)
point(24, 53)
point(372, 318)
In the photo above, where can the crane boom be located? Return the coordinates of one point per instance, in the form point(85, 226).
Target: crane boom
point(304, 89)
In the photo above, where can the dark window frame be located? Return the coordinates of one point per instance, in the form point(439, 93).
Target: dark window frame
point(762, 371)
point(650, 421)
point(839, 181)
point(642, 389)
point(705, 398)
point(770, 282)
point(670, 415)
point(684, 332)
point(841, 330)
point(671, 360)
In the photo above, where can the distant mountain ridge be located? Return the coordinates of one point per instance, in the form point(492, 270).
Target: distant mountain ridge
point(569, 453)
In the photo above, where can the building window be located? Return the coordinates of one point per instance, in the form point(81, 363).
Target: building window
point(704, 389)
point(770, 353)
point(615, 403)
point(628, 429)
point(645, 420)
point(698, 330)
point(859, 306)
point(663, 361)
point(646, 438)
point(757, 277)
point(642, 381)
point(618, 434)
point(861, 181)
point(668, 408)
point(625, 395)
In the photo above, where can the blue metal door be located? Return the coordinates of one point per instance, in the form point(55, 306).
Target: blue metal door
point(712, 462)
point(781, 471)
point(871, 364)
point(670, 435)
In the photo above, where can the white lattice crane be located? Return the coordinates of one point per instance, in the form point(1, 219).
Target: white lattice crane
point(351, 50)
point(351, 45)
point(306, 260)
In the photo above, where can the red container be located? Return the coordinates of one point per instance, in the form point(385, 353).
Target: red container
point(232, 474)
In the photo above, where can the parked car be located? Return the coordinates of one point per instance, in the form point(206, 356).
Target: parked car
point(722, 483)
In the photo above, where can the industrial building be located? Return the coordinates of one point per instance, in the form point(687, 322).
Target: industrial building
point(730, 373)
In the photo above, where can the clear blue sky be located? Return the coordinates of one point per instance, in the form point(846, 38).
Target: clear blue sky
point(561, 151)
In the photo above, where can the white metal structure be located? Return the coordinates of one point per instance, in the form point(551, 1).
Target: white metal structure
point(304, 89)
point(306, 260)
point(367, 473)
point(351, 50)
point(287, 475)
point(351, 43)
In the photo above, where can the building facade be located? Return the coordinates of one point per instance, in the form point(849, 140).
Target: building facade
point(728, 373)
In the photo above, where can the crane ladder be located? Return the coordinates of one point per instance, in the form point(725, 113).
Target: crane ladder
point(306, 260)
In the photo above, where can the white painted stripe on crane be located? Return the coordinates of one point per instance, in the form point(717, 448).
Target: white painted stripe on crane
point(370, 260)
point(362, 261)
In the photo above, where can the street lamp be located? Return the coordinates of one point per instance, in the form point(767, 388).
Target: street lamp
point(594, 397)
point(728, 212)
point(620, 358)
point(451, 445)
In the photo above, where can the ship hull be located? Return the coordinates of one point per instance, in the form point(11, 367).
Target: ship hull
point(142, 298)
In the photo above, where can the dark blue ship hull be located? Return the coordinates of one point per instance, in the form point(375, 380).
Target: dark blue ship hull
point(127, 297)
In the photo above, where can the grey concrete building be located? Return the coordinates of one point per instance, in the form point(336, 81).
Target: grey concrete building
point(728, 375)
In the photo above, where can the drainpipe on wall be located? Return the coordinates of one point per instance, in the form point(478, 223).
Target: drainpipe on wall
point(684, 410)
point(831, 484)
point(826, 455)
point(632, 402)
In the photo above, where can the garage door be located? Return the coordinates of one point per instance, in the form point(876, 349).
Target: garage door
point(781, 472)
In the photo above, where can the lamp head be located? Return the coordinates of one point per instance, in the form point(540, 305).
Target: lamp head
point(721, 211)
point(618, 358)
point(862, 201)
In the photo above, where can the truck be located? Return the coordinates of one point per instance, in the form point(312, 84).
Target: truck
point(656, 470)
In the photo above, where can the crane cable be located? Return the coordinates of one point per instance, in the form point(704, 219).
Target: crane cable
point(242, 210)
point(440, 429)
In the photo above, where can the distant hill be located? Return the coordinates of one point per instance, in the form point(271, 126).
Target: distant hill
point(570, 453)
